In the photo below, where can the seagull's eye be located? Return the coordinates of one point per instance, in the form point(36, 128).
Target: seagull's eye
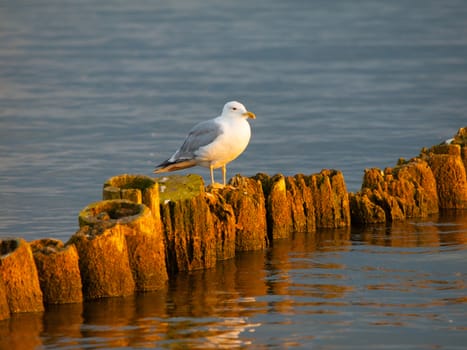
point(234, 108)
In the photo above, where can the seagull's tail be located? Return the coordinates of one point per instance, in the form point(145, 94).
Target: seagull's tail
point(168, 165)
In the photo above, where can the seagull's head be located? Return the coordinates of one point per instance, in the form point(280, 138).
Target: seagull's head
point(235, 108)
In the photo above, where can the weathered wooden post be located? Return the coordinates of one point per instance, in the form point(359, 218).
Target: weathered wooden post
point(246, 197)
point(143, 245)
point(278, 209)
point(223, 218)
point(102, 249)
point(330, 199)
point(188, 223)
point(4, 308)
point(19, 274)
point(140, 189)
point(450, 174)
point(300, 200)
point(58, 269)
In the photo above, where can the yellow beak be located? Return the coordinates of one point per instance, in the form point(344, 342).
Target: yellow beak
point(250, 115)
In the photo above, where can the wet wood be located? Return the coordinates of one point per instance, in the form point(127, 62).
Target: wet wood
point(140, 189)
point(144, 243)
point(246, 197)
point(19, 274)
point(450, 172)
point(223, 219)
point(406, 191)
point(147, 227)
point(188, 224)
point(58, 269)
point(330, 198)
point(4, 308)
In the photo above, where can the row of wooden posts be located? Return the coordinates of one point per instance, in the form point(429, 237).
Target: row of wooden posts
point(145, 229)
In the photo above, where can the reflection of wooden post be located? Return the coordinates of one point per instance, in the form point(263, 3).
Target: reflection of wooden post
point(61, 320)
point(20, 277)
point(58, 270)
point(23, 331)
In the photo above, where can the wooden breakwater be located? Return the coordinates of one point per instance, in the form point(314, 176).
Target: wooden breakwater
point(144, 230)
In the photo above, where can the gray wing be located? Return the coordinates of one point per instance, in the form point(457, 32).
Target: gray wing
point(201, 135)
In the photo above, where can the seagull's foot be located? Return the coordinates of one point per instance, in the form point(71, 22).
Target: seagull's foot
point(216, 186)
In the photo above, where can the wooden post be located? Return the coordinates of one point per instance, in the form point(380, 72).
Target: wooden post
point(188, 223)
point(279, 214)
point(246, 197)
point(4, 308)
point(300, 199)
point(58, 269)
point(223, 219)
point(450, 174)
point(19, 274)
point(144, 244)
point(330, 198)
point(140, 189)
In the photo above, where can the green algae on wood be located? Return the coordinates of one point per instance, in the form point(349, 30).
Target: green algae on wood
point(179, 187)
point(58, 269)
point(199, 226)
point(139, 189)
point(19, 274)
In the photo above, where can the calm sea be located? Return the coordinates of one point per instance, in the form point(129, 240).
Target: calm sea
point(93, 89)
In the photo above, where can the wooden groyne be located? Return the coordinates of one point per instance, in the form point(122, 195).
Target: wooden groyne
point(145, 230)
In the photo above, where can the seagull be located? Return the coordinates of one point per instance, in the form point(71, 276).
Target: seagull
point(213, 143)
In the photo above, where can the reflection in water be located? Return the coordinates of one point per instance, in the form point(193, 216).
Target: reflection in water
point(403, 284)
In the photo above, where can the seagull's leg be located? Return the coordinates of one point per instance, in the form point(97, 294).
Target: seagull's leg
point(211, 169)
point(224, 173)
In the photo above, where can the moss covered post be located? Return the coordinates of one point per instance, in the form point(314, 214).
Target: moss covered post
point(188, 223)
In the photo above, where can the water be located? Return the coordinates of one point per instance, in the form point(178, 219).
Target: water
point(381, 288)
point(91, 90)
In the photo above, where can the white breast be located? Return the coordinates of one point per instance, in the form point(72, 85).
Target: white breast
point(228, 146)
